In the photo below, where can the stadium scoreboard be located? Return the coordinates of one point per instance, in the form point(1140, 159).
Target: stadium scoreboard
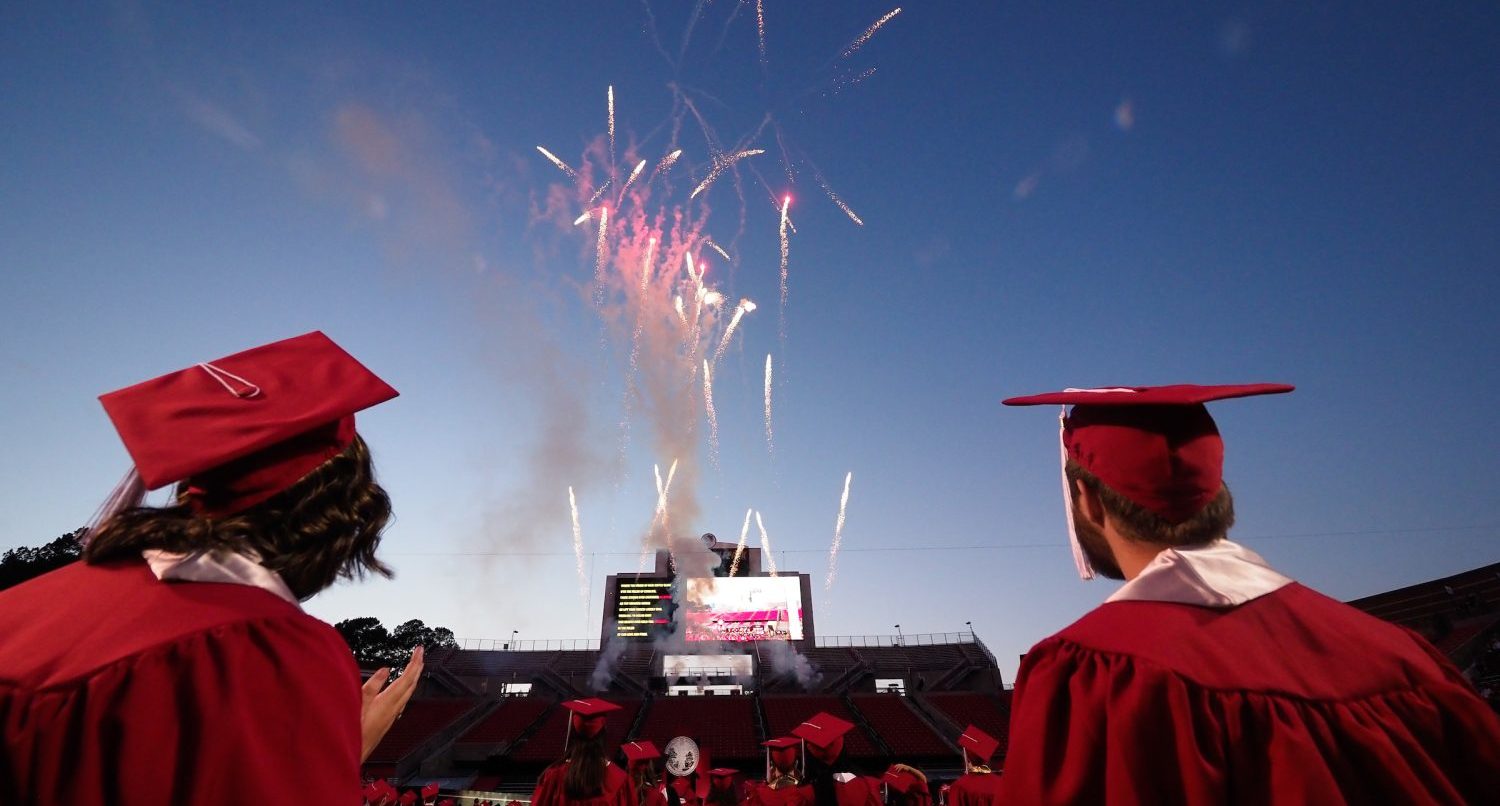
point(643, 608)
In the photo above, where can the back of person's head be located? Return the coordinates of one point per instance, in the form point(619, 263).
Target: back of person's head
point(1137, 522)
point(584, 777)
point(325, 526)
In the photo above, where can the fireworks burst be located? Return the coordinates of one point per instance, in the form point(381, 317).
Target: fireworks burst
point(711, 245)
point(587, 214)
point(666, 163)
point(639, 166)
point(713, 416)
point(760, 27)
point(834, 197)
point(662, 490)
point(599, 194)
point(838, 534)
point(583, 577)
point(786, 203)
point(770, 441)
point(765, 545)
point(562, 166)
point(719, 167)
point(601, 256)
point(611, 95)
point(739, 550)
point(869, 32)
point(745, 306)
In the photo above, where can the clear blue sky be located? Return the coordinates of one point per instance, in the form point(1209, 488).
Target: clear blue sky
point(1054, 195)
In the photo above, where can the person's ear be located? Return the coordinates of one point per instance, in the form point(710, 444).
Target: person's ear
point(1089, 504)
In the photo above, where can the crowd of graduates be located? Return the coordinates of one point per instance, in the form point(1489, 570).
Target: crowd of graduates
point(806, 768)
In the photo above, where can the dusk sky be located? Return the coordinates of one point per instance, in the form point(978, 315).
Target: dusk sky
point(1052, 195)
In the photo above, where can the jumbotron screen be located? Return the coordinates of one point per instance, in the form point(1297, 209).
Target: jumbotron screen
point(744, 609)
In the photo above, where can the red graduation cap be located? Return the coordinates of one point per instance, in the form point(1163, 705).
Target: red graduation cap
point(430, 790)
point(242, 428)
point(408, 797)
point(1155, 445)
point(640, 750)
point(824, 734)
point(978, 744)
point(782, 751)
point(722, 777)
point(587, 716)
point(902, 779)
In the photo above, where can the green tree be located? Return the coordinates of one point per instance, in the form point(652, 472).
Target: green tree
point(373, 645)
point(22, 563)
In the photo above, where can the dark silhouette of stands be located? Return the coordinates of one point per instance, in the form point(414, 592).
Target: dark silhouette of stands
point(726, 725)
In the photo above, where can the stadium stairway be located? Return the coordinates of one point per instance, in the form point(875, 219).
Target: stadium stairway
point(953, 711)
point(902, 727)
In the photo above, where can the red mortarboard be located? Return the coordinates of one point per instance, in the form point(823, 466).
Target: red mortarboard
point(430, 790)
point(722, 776)
point(587, 717)
point(247, 426)
point(640, 750)
point(901, 780)
point(979, 744)
point(409, 796)
point(825, 732)
point(1155, 445)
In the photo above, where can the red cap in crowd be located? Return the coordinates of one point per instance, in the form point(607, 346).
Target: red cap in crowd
point(1155, 445)
point(823, 735)
point(242, 428)
point(978, 744)
point(587, 717)
point(639, 751)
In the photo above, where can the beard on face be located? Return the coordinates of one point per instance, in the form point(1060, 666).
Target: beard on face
point(1095, 547)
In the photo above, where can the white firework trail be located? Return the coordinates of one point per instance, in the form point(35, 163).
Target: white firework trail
point(719, 167)
point(599, 194)
point(681, 314)
point(601, 256)
point(666, 163)
point(562, 166)
point(760, 27)
point(717, 248)
point(633, 174)
point(869, 32)
point(765, 545)
point(662, 491)
point(713, 416)
point(612, 125)
point(587, 214)
point(583, 577)
point(786, 203)
point(745, 306)
point(770, 440)
point(834, 197)
point(844, 82)
point(838, 534)
point(739, 550)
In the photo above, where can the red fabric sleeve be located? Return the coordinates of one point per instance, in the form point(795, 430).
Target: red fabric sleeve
point(248, 713)
point(549, 787)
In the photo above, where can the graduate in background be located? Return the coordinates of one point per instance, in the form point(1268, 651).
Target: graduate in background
point(979, 785)
point(906, 785)
point(833, 785)
point(175, 663)
point(640, 761)
point(585, 776)
point(1209, 677)
point(783, 785)
point(721, 791)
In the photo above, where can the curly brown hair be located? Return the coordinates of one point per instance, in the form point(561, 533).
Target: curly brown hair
point(325, 527)
point(1138, 523)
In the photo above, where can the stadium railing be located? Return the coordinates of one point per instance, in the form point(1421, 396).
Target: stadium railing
point(547, 645)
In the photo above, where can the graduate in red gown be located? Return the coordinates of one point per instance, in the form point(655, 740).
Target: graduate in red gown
point(979, 785)
point(1209, 677)
point(783, 785)
point(906, 785)
point(640, 763)
point(832, 783)
point(585, 776)
point(721, 790)
point(175, 663)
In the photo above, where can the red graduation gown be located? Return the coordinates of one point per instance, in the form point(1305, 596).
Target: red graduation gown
point(762, 795)
point(656, 796)
point(617, 790)
point(861, 790)
point(1291, 697)
point(118, 688)
point(975, 789)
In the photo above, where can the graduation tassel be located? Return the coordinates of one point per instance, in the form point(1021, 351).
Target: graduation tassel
point(1085, 568)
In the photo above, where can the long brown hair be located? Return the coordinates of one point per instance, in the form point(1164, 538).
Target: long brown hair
point(584, 777)
point(324, 527)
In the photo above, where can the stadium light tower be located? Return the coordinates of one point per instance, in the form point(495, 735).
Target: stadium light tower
point(900, 639)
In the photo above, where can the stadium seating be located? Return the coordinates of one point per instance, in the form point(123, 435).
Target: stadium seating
point(505, 723)
point(785, 713)
point(421, 720)
point(963, 708)
point(546, 744)
point(899, 727)
point(726, 725)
